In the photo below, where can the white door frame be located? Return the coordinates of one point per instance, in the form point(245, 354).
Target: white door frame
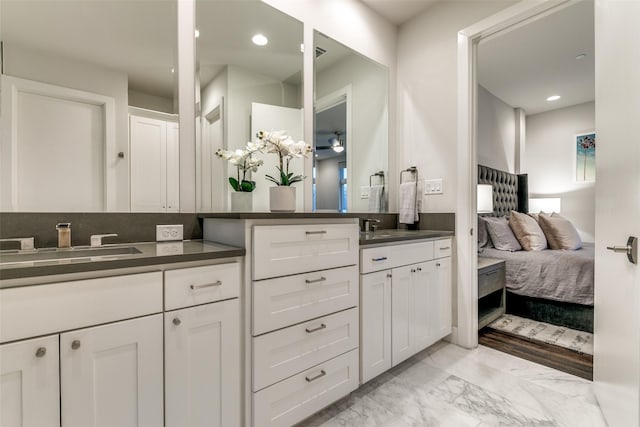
point(328, 101)
point(504, 21)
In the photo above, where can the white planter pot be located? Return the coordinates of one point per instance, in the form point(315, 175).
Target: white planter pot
point(282, 199)
point(241, 201)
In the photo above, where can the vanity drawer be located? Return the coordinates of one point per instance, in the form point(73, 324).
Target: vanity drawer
point(285, 301)
point(294, 399)
point(491, 279)
point(385, 257)
point(198, 285)
point(281, 250)
point(285, 352)
point(442, 248)
point(43, 309)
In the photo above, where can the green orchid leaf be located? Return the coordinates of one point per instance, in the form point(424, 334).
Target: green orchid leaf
point(234, 183)
point(247, 186)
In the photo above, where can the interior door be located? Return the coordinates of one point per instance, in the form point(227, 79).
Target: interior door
point(617, 281)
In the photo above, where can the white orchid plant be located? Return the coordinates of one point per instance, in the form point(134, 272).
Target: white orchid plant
point(286, 148)
point(244, 162)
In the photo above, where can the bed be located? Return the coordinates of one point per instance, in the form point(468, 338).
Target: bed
point(553, 286)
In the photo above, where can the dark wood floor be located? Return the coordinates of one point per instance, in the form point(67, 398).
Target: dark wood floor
point(550, 355)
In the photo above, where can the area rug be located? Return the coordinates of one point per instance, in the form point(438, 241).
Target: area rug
point(544, 332)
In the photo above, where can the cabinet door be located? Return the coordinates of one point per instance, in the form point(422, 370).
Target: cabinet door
point(443, 300)
point(424, 301)
point(173, 168)
point(202, 365)
point(29, 383)
point(402, 311)
point(375, 324)
point(148, 146)
point(111, 375)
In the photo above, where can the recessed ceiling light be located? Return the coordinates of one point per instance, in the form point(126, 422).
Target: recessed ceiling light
point(197, 33)
point(259, 40)
point(553, 98)
point(581, 56)
point(173, 70)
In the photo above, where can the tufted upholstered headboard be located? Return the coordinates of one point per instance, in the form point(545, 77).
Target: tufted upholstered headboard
point(510, 191)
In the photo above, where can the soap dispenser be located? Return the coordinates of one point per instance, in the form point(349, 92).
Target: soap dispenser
point(64, 234)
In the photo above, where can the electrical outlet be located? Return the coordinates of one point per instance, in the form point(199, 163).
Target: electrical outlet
point(364, 192)
point(166, 233)
point(433, 186)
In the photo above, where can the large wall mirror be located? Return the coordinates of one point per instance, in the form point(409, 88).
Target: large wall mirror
point(351, 130)
point(244, 84)
point(89, 106)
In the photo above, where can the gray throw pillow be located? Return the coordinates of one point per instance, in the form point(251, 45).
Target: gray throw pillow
point(501, 234)
point(484, 241)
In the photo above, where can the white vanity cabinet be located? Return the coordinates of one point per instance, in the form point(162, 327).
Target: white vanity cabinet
point(305, 328)
point(405, 302)
point(108, 353)
point(202, 347)
point(30, 383)
point(111, 375)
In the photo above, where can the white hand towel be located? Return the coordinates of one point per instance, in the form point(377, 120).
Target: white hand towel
point(408, 209)
point(376, 198)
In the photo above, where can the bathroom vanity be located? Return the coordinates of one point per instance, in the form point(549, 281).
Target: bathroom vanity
point(141, 339)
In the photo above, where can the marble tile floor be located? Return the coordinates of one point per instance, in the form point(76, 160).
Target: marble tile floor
point(449, 386)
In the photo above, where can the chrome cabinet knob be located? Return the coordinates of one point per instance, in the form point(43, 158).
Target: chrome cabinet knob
point(75, 344)
point(41, 351)
point(177, 321)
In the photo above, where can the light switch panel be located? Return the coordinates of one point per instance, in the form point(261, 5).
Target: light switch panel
point(364, 192)
point(433, 186)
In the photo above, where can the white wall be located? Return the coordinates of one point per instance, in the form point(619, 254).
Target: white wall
point(427, 92)
point(54, 69)
point(150, 102)
point(496, 143)
point(369, 119)
point(550, 163)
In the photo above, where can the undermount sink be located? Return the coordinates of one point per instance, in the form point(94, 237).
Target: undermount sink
point(48, 254)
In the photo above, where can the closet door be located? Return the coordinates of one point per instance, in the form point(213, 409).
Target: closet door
point(148, 147)
point(173, 168)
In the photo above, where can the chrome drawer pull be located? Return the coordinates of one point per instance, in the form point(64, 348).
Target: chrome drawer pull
point(444, 248)
point(320, 375)
point(382, 258)
point(321, 279)
point(206, 285)
point(315, 232)
point(491, 273)
point(322, 326)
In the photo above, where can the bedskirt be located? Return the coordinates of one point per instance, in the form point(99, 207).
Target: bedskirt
point(570, 315)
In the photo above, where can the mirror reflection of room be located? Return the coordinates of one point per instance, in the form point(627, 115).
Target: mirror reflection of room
point(249, 79)
point(351, 129)
point(77, 98)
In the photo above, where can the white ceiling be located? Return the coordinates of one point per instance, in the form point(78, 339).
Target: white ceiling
point(537, 60)
point(399, 11)
point(136, 37)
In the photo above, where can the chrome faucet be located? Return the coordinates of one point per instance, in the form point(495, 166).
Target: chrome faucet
point(96, 239)
point(367, 226)
point(26, 243)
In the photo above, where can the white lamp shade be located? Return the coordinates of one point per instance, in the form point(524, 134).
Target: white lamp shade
point(485, 198)
point(544, 204)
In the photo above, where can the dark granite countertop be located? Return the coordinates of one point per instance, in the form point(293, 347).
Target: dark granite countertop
point(279, 215)
point(144, 254)
point(386, 236)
